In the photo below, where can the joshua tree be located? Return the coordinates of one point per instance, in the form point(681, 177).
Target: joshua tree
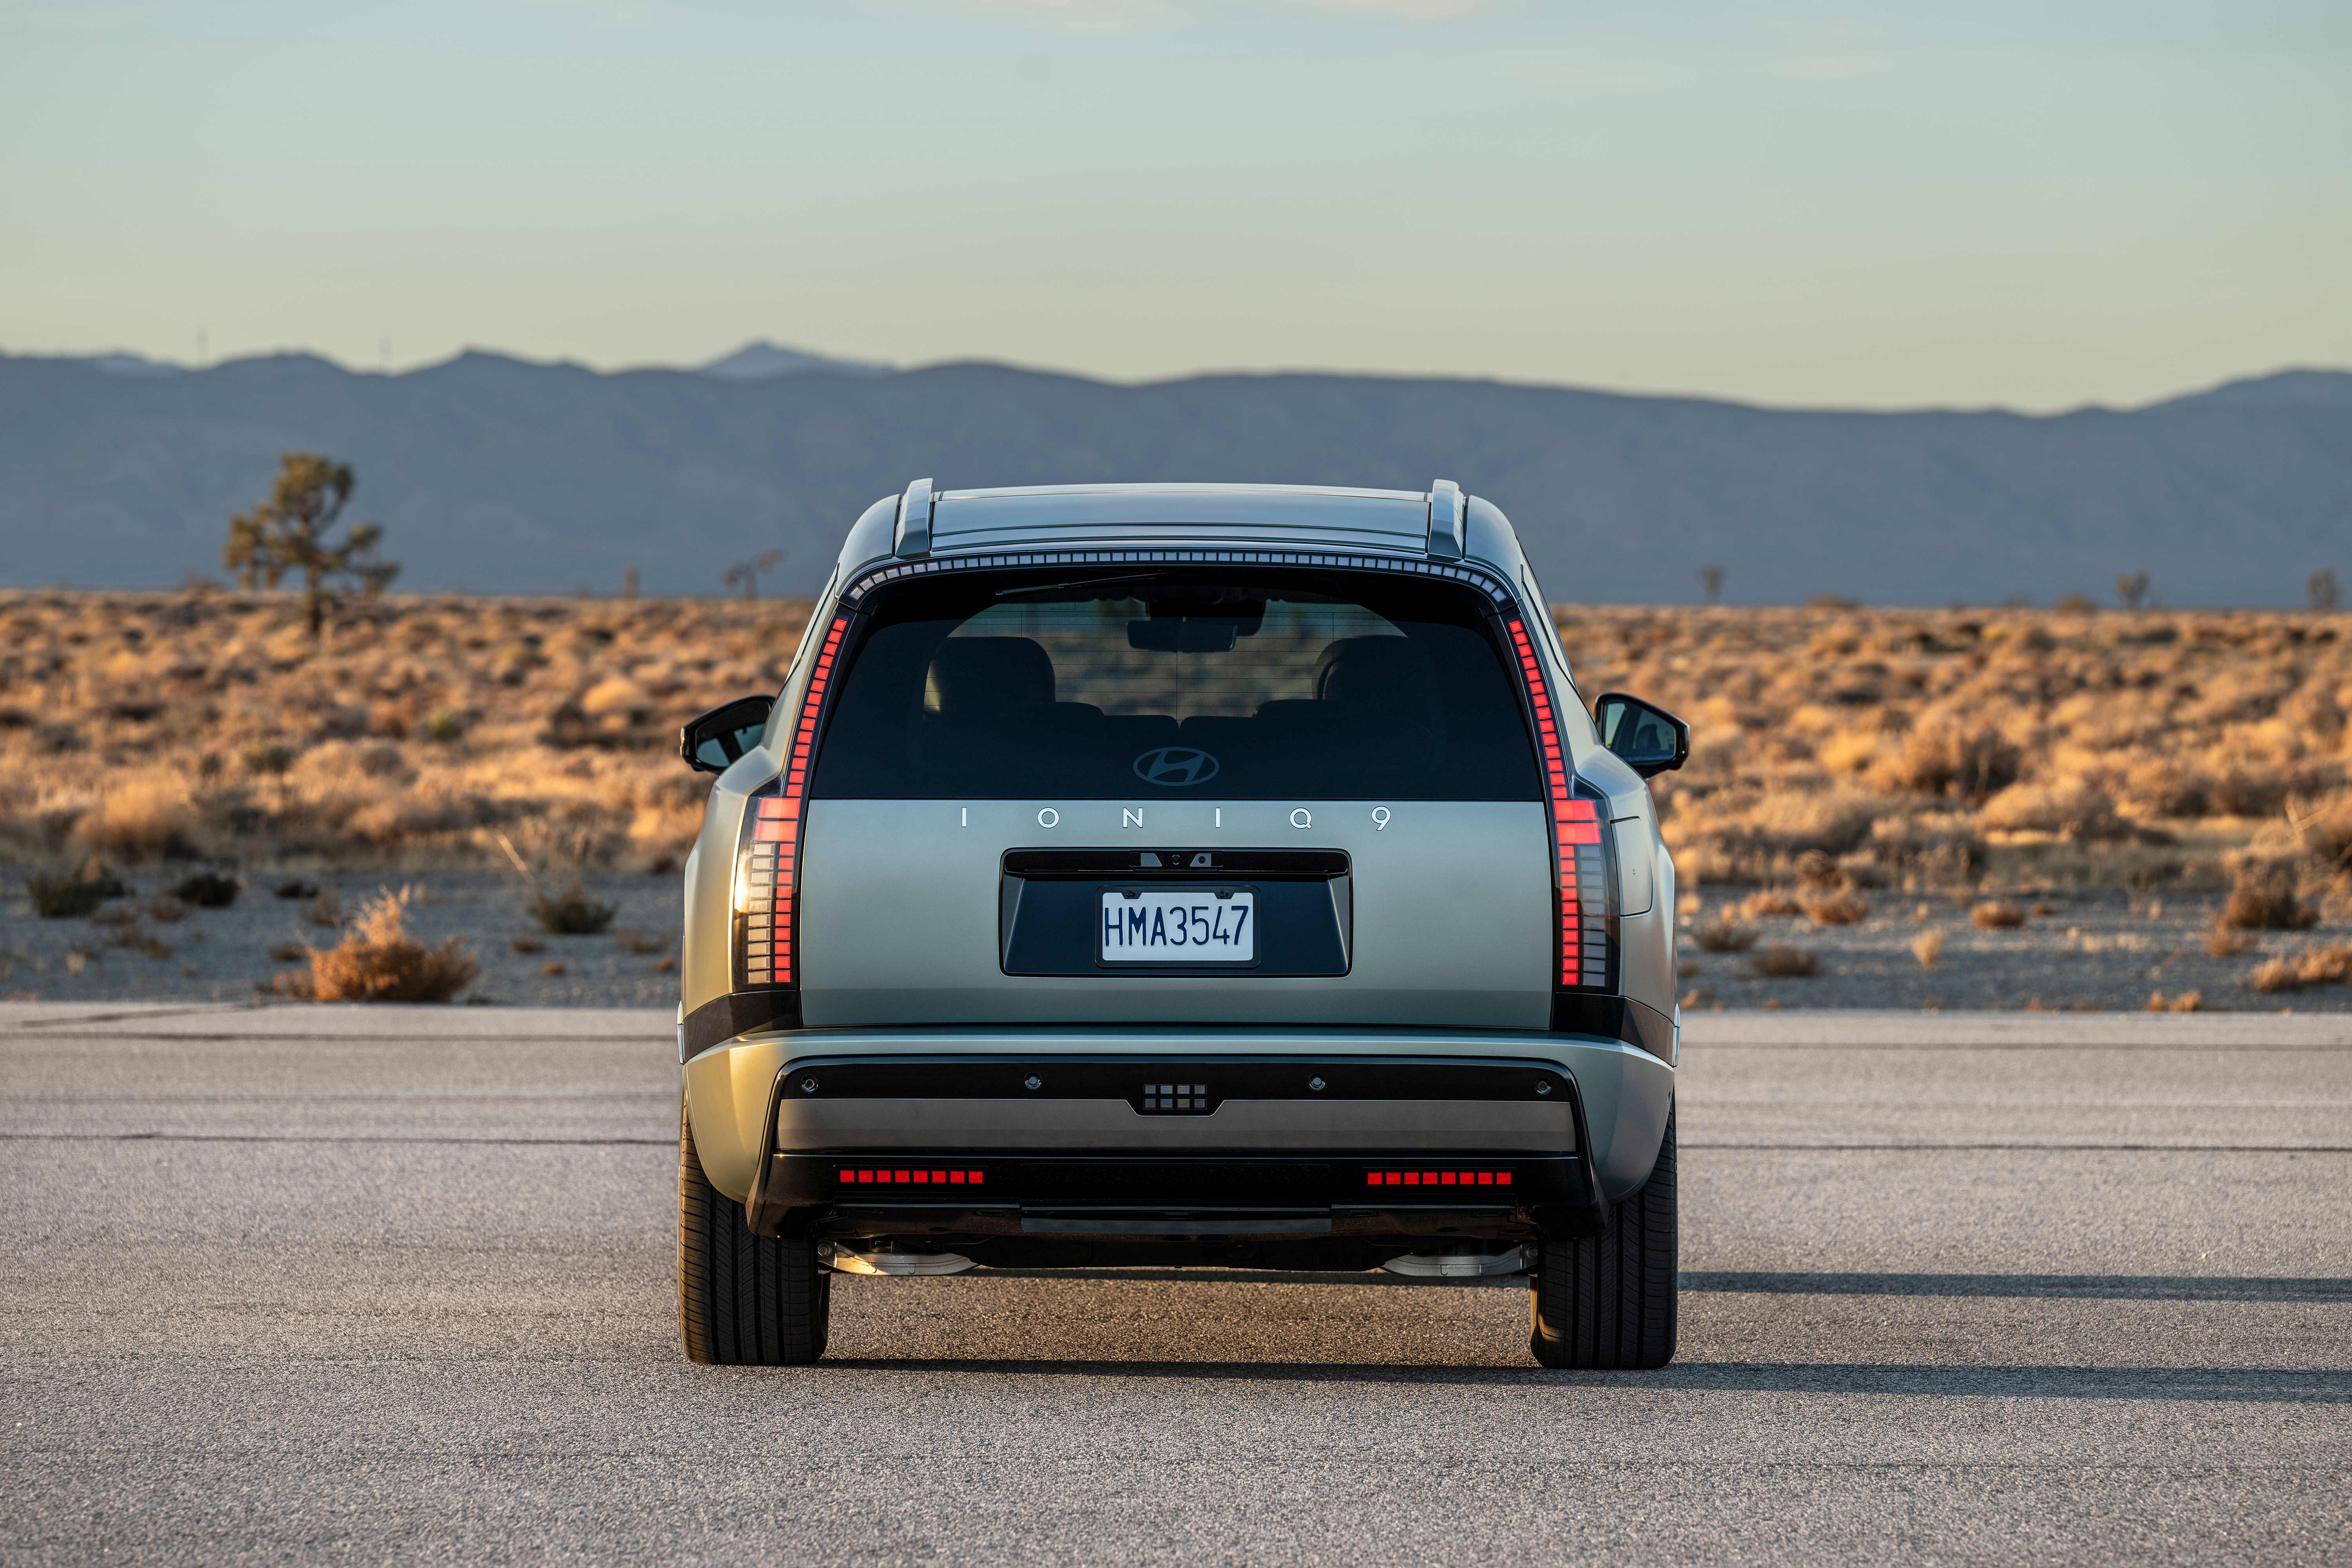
point(2131, 587)
point(1710, 581)
point(286, 534)
point(747, 572)
point(2321, 588)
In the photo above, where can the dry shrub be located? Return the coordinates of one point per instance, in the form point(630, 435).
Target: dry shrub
point(1840, 908)
point(1996, 914)
point(324, 910)
point(2263, 898)
point(2223, 942)
point(2324, 826)
point(1770, 901)
point(1723, 933)
point(137, 820)
point(2313, 966)
point(69, 895)
point(572, 912)
point(1779, 961)
point(1942, 845)
point(1949, 756)
point(394, 821)
point(2071, 808)
point(1927, 947)
point(638, 941)
point(208, 890)
point(527, 945)
point(378, 961)
point(2180, 1002)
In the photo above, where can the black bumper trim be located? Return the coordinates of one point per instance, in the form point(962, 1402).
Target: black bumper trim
point(722, 1019)
point(1637, 1024)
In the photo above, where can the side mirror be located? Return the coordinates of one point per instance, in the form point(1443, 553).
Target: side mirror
point(1650, 740)
point(722, 735)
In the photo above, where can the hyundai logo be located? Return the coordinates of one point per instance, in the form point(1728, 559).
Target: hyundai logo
point(1175, 766)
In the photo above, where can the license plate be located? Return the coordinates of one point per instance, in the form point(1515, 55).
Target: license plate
point(1179, 925)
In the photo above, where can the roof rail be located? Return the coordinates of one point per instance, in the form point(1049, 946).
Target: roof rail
point(1447, 512)
point(914, 535)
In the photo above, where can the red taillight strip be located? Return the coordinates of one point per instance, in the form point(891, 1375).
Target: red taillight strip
point(914, 1178)
point(1576, 836)
point(1437, 1178)
point(772, 867)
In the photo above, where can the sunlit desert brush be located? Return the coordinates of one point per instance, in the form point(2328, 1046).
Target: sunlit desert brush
point(210, 726)
point(378, 961)
point(1920, 749)
point(1836, 750)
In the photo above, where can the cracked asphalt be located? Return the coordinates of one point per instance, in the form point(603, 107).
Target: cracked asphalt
point(394, 1284)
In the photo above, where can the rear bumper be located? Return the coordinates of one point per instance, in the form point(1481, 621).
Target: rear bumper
point(1177, 1134)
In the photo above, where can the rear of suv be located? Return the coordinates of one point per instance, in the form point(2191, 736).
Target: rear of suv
point(1180, 875)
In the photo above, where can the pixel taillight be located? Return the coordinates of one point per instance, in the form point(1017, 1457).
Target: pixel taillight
point(771, 858)
point(1576, 837)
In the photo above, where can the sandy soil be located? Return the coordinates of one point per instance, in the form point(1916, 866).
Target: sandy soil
point(2101, 949)
point(223, 954)
point(2095, 950)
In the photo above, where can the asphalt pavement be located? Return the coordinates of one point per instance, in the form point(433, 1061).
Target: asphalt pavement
point(394, 1284)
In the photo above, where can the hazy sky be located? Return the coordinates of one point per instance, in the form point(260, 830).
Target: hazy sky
point(2034, 204)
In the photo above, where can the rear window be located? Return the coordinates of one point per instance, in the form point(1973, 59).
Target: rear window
point(1242, 683)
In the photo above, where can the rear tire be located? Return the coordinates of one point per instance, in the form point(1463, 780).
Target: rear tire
point(743, 1299)
point(1606, 1303)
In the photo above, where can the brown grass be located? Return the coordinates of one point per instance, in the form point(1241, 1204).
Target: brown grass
point(209, 725)
point(1840, 908)
point(1722, 932)
point(2263, 898)
point(2313, 966)
point(2122, 750)
point(1927, 947)
point(571, 911)
point(1996, 914)
point(1914, 750)
point(1777, 960)
point(2223, 941)
point(378, 961)
point(2180, 1002)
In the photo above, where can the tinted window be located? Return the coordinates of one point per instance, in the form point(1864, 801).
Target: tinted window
point(1275, 686)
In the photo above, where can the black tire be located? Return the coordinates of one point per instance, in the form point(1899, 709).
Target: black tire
point(1606, 1303)
point(743, 1299)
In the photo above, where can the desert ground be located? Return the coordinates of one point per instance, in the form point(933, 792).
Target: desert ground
point(1963, 808)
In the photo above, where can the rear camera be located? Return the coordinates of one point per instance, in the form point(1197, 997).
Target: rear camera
point(808, 1086)
point(1315, 1083)
point(1034, 1081)
point(1543, 1086)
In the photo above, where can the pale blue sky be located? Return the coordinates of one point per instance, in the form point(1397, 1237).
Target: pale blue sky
point(2035, 204)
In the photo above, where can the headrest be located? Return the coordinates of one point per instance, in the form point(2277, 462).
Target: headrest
point(986, 675)
point(1386, 670)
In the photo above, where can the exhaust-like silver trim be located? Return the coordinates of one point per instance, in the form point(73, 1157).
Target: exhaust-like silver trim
point(1465, 1263)
point(842, 1260)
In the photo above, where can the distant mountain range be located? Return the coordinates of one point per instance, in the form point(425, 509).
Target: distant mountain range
point(492, 473)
